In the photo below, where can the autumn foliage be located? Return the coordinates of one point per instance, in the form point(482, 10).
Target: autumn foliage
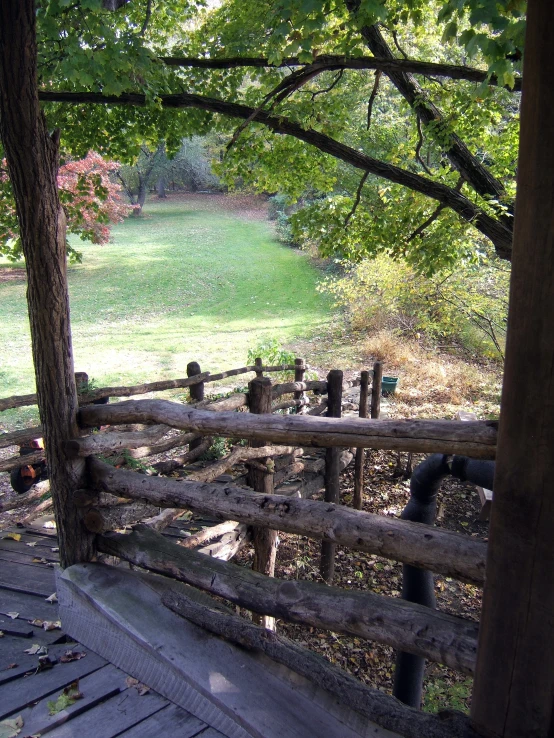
point(91, 200)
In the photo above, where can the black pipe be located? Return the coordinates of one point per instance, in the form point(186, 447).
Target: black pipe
point(417, 584)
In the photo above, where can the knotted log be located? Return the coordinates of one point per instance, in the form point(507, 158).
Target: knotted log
point(441, 551)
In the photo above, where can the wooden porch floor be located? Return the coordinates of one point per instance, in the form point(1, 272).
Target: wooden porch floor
point(111, 704)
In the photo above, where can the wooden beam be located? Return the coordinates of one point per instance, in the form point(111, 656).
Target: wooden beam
point(514, 688)
point(452, 554)
point(477, 440)
point(240, 693)
point(400, 624)
point(373, 704)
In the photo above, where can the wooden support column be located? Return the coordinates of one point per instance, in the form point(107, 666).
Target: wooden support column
point(360, 452)
point(264, 539)
point(332, 471)
point(514, 686)
point(32, 155)
point(196, 394)
point(299, 371)
point(376, 390)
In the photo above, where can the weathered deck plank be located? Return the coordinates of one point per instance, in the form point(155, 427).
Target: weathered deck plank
point(237, 692)
point(19, 693)
point(170, 722)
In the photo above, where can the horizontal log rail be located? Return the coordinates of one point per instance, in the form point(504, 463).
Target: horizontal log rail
point(474, 439)
point(373, 704)
point(14, 401)
point(18, 437)
point(395, 622)
point(441, 551)
point(289, 387)
point(14, 462)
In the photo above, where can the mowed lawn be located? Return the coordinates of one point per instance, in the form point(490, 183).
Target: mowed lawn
point(188, 281)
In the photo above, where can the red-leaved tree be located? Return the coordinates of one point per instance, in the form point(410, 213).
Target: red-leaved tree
point(91, 200)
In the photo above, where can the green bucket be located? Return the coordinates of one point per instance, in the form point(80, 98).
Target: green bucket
point(388, 386)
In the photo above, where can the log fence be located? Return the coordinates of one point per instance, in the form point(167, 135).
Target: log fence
point(119, 498)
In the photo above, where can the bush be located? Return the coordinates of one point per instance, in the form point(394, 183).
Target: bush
point(466, 307)
point(280, 211)
point(270, 352)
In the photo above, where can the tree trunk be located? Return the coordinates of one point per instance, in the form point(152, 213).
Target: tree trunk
point(514, 686)
point(32, 156)
point(160, 187)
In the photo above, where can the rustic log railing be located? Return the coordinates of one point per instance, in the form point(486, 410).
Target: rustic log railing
point(118, 498)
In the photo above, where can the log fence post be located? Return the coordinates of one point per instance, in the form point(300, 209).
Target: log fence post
point(258, 363)
point(264, 539)
point(332, 470)
point(376, 390)
point(360, 452)
point(196, 392)
point(299, 371)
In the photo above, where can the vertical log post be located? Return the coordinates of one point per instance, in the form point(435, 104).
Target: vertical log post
point(258, 363)
point(264, 539)
point(513, 695)
point(196, 394)
point(32, 155)
point(332, 470)
point(376, 390)
point(299, 371)
point(360, 452)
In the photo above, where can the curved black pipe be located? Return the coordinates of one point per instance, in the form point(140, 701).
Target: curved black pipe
point(418, 584)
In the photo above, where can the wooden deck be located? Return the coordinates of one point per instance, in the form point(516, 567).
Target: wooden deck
point(211, 688)
point(111, 705)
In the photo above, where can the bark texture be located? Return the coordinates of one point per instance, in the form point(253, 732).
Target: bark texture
point(32, 156)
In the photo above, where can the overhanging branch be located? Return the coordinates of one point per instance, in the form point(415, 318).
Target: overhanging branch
point(499, 233)
point(332, 62)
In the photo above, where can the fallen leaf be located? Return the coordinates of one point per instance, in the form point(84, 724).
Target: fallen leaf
point(55, 549)
point(32, 544)
point(68, 697)
point(36, 622)
point(13, 536)
point(52, 624)
point(11, 728)
point(52, 598)
point(142, 689)
point(12, 615)
point(1, 633)
point(36, 560)
point(11, 666)
point(72, 656)
point(49, 524)
point(35, 648)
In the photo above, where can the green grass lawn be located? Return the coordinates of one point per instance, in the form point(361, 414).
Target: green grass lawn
point(185, 282)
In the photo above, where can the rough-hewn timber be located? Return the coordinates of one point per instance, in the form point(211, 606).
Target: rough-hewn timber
point(444, 552)
point(477, 439)
point(400, 624)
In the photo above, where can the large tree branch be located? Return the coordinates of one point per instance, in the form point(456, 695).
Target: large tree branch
point(471, 169)
point(498, 232)
point(329, 62)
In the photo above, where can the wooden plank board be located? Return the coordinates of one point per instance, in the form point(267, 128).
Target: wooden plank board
point(28, 606)
point(113, 717)
point(19, 693)
point(43, 542)
point(22, 557)
point(28, 579)
point(119, 613)
point(171, 722)
point(95, 688)
point(26, 663)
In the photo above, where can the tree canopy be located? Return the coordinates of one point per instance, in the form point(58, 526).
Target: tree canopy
point(399, 118)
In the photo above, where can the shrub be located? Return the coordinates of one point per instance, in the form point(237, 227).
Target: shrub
point(465, 307)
